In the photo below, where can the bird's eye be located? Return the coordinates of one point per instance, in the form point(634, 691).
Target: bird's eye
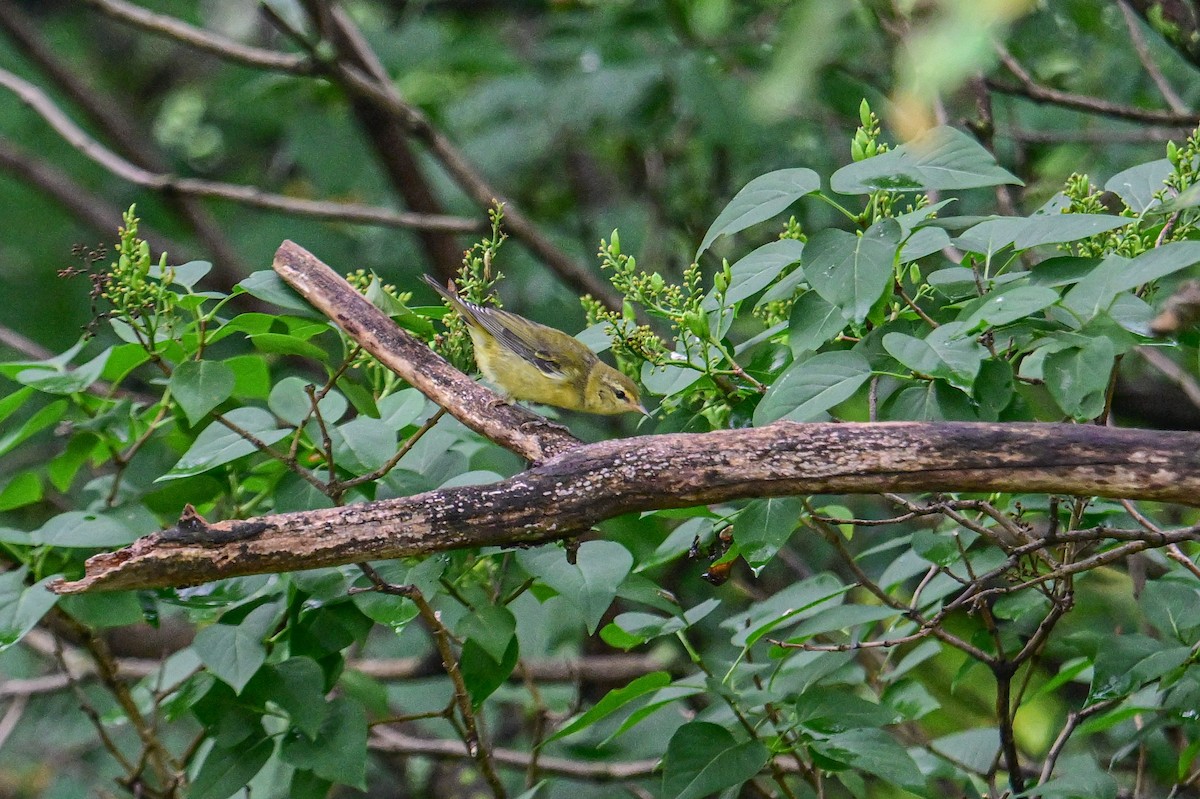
point(620, 394)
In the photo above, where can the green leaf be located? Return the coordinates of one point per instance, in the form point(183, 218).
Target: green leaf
point(754, 272)
point(813, 322)
point(931, 401)
point(226, 770)
point(975, 749)
point(11, 403)
point(759, 200)
point(339, 752)
point(363, 445)
point(704, 758)
point(809, 388)
point(954, 282)
point(961, 354)
point(305, 784)
point(217, 445)
point(491, 627)
point(87, 530)
point(251, 377)
point(534, 792)
point(924, 241)
point(483, 674)
point(939, 548)
point(849, 271)
point(631, 629)
point(232, 653)
point(1173, 608)
point(842, 618)
point(21, 606)
point(1115, 274)
point(60, 380)
point(401, 409)
point(268, 286)
point(941, 354)
point(44, 417)
point(1026, 232)
point(872, 751)
point(104, 610)
point(284, 344)
point(993, 389)
point(1002, 307)
point(1081, 778)
point(24, 488)
point(200, 386)
point(1138, 184)
point(831, 710)
point(1077, 377)
point(798, 601)
point(590, 584)
point(942, 158)
point(289, 401)
point(667, 379)
point(764, 526)
point(613, 701)
point(297, 685)
point(1117, 658)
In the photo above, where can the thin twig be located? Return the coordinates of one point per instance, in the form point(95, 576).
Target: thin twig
point(477, 749)
point(1074, 719)
point(1133, 25)
point(400, 453)
point(12, 716)
point(1173, 371)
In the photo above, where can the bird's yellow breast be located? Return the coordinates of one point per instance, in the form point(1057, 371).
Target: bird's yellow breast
point(522, 380)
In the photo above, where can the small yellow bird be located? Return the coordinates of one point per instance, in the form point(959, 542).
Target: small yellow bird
point(533, 362)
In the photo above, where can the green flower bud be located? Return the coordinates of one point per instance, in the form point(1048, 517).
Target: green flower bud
point(697, 323)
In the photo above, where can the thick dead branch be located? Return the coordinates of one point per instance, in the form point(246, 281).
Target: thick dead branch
point(571, 492)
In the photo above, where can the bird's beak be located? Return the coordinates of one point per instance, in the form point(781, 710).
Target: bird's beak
point(641, 409)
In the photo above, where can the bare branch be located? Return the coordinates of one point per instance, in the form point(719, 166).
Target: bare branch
point(1043, 94)
point(387, 740)
point(37, 100)
point(380, 93)
point(112, 121)
point(93, 210)
point(200, 39)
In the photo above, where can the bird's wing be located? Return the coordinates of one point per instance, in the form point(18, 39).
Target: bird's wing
point(508, 334)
